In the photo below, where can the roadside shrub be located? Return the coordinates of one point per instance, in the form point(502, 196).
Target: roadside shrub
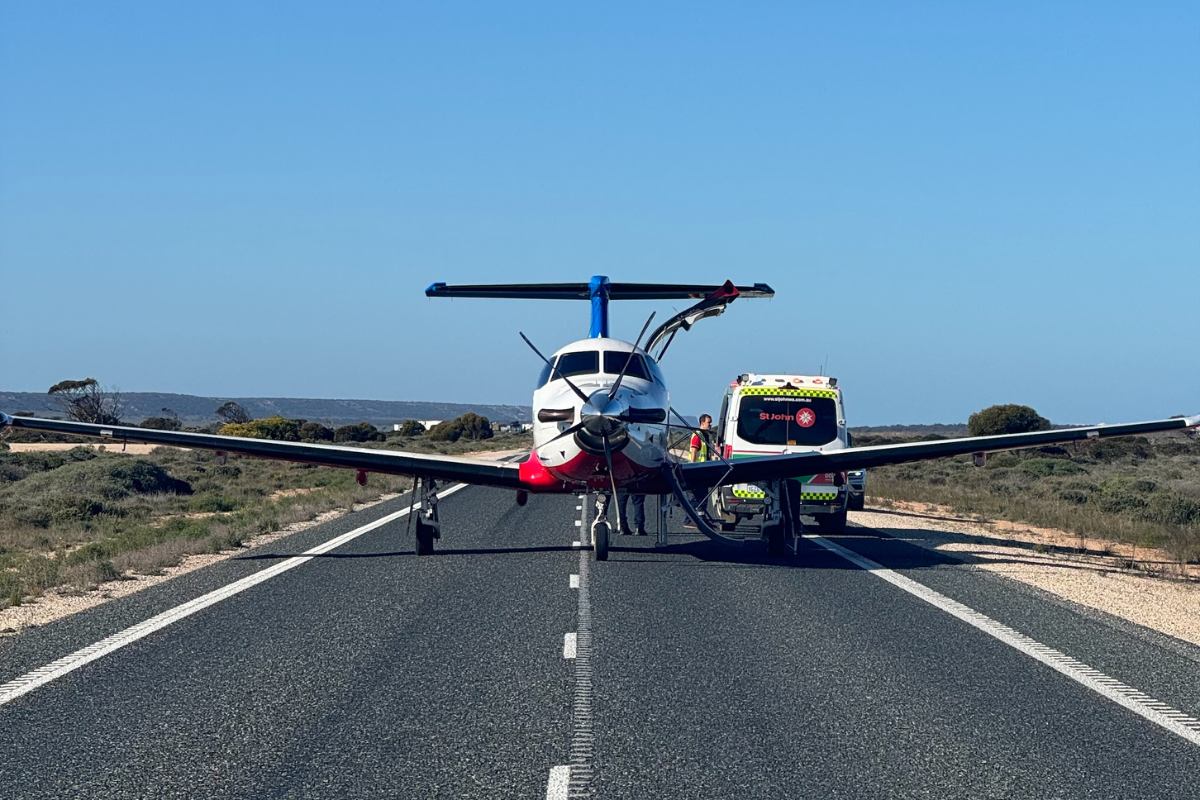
point(161, 423)
point(1045, 467)
point(359, 432)
point(1172, 508)
point(15, 466)
point(80, 492)
point(468, 426)
point(1135, 448)
point(316, 432)
point(1009, 418)
point(1077, 492)
point(1001, 460)
point(276, 427)
point(410, 427)
point(1124, 494)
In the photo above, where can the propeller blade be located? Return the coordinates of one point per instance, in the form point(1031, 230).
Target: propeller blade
point(567, 432)
point(574, 388)
point(613, 391)
point(611, 475)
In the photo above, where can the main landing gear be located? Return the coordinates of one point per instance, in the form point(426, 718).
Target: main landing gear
point(781, 517)
point(428, 526)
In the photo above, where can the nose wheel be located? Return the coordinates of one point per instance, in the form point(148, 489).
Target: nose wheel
point(601, 528)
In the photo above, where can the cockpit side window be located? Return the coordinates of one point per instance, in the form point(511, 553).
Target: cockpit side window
point(614, 362)
point(544, 375)
point(582, 363)
point(655, 373)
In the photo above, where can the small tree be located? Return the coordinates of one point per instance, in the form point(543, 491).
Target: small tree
point(86, 401)
point(315, 432)
point(276, 427)
point(231, 412)
point(468, 426)
point(358, 432)
point(169, 421)
point(1010, 418)
point(410, 427)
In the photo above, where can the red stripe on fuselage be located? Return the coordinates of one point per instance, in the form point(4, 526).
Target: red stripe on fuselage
point(584, 470)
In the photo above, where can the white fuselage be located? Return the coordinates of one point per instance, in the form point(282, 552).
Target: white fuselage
point(635, 417)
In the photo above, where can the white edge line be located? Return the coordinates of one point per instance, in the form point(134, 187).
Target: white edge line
point(570, 645)
point(56, 669)
point(556, 785)
point(1143, 705)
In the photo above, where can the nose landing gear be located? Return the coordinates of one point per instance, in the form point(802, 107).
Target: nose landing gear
point(601, 528)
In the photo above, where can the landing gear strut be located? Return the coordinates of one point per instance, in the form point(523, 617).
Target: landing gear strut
point(428, 526)
point(601, 527)
point(781, 518)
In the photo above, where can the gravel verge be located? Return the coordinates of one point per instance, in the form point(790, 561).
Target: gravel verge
point(1137, 584)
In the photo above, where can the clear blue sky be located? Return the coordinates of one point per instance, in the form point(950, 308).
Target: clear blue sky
point(958, 204)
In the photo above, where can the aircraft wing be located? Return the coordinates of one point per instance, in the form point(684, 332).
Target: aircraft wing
point(448, 468)
point(702, 475)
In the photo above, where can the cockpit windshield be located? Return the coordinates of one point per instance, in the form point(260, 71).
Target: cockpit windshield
point(614, 362)
point(583, 363)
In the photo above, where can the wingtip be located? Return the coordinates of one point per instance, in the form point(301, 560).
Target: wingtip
point(1192, 422)
point(5, 419)
point(433, 289)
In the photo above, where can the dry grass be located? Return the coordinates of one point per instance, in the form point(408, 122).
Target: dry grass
point(1142, 492)
point(77, 519)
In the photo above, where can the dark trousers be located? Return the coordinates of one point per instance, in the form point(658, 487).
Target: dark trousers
point(639, 511)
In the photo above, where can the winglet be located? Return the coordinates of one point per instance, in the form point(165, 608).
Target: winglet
point(5, 419)
point(1192, 422)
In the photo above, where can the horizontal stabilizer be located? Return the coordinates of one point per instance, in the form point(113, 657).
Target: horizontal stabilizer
point(583, 291)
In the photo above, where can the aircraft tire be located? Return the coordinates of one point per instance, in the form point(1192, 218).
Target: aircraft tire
point(832, 523)
point(777, 539)
point(600, 541)
point(424, 538)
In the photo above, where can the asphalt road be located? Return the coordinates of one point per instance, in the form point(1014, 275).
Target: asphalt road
point(367, 672)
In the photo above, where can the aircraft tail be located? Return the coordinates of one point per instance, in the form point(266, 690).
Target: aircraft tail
point(599, 290)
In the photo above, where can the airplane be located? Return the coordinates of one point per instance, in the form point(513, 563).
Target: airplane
point(602, 425)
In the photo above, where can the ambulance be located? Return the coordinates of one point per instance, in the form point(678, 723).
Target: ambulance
point(768, 415)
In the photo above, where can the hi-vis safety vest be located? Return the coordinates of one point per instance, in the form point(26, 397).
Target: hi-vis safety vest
point(702, 443)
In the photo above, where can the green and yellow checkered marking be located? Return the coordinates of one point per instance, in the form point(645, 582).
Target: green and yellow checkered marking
point(745, 494)
point(785, 391)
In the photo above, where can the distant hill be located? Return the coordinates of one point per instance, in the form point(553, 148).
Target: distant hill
point(196, 411)
point(957, 429)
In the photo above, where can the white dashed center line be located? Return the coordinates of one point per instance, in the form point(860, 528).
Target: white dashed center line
point(556, 786)
point(574, 581)
point(570, 645)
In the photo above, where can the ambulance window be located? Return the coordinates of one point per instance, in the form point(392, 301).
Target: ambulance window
point(721, 419)
point(614, 362)
point(584, 363)
point(787, 420)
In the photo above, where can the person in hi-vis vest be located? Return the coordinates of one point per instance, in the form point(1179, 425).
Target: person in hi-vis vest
point(699, 452)
point(700, 441)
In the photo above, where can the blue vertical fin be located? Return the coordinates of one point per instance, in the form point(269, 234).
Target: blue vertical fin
point(598, 287)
